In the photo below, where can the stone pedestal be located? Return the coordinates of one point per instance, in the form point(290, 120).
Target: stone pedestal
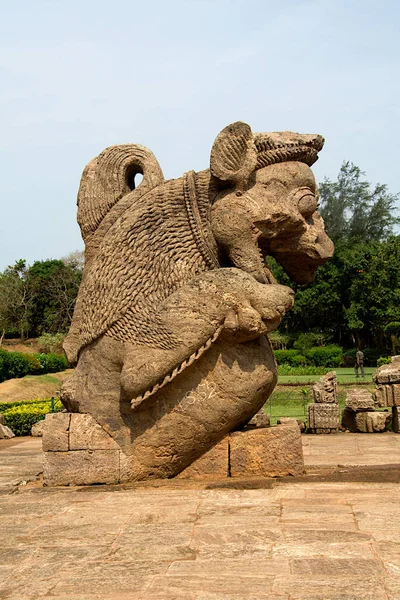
point(78, 451)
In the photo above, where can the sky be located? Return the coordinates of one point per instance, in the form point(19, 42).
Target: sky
point(79, 75)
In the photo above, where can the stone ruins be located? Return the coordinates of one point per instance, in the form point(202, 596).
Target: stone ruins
point(323, 414)
point(387, 379)
point(169, 334)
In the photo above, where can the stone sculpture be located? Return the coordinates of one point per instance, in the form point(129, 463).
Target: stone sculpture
point(170, 327)
point(387, 392)
point(323, 414)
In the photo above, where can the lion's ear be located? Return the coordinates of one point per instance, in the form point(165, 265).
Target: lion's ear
point(234, 154)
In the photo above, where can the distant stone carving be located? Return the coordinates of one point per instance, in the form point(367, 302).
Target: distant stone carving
point(323, 415)
point(170, 327)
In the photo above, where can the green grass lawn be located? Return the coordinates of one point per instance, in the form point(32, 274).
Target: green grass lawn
point(344, 375)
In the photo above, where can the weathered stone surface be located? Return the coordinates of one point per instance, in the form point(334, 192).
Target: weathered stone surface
point(323, 417)
point(260, 419)
point(82, 467)
point(213, 464)
point(396, 419)
point(359, 400)
point(388, 373)
point(5, 432)
point(372, 422)
point(37, 428)
point(176, 299)
point(86, 434)
point(56, 432)
point(290, 421)
point(1, 419)
point(325, 390)
point(388, 394)
point(270, 452)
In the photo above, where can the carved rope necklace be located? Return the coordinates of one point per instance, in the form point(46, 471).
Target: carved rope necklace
point(200, 234)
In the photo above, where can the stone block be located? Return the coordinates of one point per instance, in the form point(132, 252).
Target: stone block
point(359, 400)
point(290, 421)
point(1, 419)
point(37, 429)
point(56, 432)
point(5, 432)
point(81, 467)
point(213, 464)
point(383, 395)
point(269, 452)
point(388, 373)
point(260, 419)
point(86, 434)
point(372, 422)
point(396, 419)
point(323, 417)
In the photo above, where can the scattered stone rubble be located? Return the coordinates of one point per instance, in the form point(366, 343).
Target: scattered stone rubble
point(387, 393)
point(359, 414)
point(323, 415)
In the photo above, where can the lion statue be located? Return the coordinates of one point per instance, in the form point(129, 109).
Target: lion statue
point(170, 329)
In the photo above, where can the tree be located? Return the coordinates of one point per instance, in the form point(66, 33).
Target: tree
point(54, 286)
point(15, 300)
point(352, 210)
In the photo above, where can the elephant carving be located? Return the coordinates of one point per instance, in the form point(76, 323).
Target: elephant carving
point(170, 330)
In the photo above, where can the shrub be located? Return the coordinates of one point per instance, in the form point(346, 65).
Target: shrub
point(51, 363)
point(13, 364)
point(50, 343)
point(20, 416)
point(383, 360)
point(326, 356)
point(16, 364)
point(289, 357)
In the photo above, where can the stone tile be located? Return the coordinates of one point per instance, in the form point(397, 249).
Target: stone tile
point(325, 587)
point(209, 585)
point(154, 542)
point(334, 567)
point(123, 577)
point(226, 567)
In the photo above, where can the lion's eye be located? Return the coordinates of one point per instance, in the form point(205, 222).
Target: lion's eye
point(306, 201)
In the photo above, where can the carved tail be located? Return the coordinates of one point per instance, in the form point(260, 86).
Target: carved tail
point(106, 190)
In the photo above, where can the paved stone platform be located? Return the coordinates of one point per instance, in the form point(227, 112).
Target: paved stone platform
point(292, 539)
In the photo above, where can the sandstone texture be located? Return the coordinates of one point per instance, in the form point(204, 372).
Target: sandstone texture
point(264, 452)
point(323, 418)
point(271, 452)
point(5, 432)
point(372, 422)
point(359, 400)
point(169, 334)
point(37, 429)
point(291, 420)
point(213, 464)
point(325, 390)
